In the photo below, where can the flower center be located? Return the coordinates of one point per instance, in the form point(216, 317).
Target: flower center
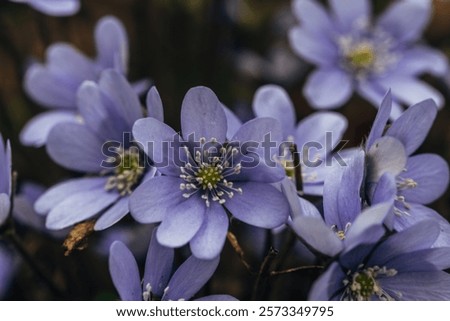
point(209, 171)
point(362, 56)
point(367, 51)
point(128, 172)
point(362, 285)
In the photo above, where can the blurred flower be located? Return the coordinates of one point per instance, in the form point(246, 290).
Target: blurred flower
point(97, 147)
point(319, 132)
point(159, 283)
point(54, 7)
point(5, 180)
point(355, 54)
point(400, 267)
point(205, 176)
point(420, 179)
point(54, 85)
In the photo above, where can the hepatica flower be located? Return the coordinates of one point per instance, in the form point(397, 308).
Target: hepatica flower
point(159, 283)
point(205, 175)
point(420, 179)
point(54, 84)
point(100, 148)
point(400, 267)
point(355, 52)
point(315, 136)
point(53, 7)
point(5, 180)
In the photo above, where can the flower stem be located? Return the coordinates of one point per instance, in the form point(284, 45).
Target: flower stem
point(299, 268)
point(260, 287)
point(239, 251)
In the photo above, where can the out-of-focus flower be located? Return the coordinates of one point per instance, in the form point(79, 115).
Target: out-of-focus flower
point(5, 180)
point(158, 282)
point(100, 148)
point(204, 176)
point(400, 267)
point(315, 136)
point(54, 85)
point(53, 7)
point(353, 52)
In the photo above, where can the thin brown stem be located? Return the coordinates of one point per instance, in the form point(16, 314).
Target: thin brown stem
point(239, 251)
point(259, 289)
point(299, 268)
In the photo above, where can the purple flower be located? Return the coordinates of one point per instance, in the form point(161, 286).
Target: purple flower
point(54, 85)
point(96, 147)
point(400, 267)
point(158, 282)
point(204, 176)
point(354, 52)
point(54, 7)
point(420, 179)
point(315, 136)
point(345, 223)
point(5, 180)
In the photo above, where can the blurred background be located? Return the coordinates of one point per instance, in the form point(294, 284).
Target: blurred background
point(231, 46)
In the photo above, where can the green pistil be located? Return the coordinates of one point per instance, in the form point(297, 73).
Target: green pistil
point(362, 56)
point(363, 286)
point(209, 176)
point(127, 173)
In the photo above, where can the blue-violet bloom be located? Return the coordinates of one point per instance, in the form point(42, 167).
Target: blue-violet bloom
point(5, 180)
point(354, 52)
point(102, 148)
point(57, 8)
point(159, 283)
point(205, 176)
point(400, 267)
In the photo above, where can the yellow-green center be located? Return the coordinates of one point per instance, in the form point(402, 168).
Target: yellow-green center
point(128, 172)
point(362, 56)
point(209, 176)
point(363, 286)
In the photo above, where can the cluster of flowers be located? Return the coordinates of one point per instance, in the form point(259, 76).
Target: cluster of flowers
point(368, 223)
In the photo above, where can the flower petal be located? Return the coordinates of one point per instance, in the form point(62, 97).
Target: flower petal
point(59, 192)
point(121, 95)
point(112, 44)
point(312, 16)
point(158, 266)
point(397, 19)
point(321, 131)
point(419, 286)
point(381, 120)
point(79, 207)
point(190, 277)
point(273, 101)
point(181, 224)
point(124, 272)
point(328, 284)
point(413, 126)
point(321, 52)
point(431, 174)
point(202, 115)
point(317, 234)
point(49, 90)
point(75, 147)
point(374, 93)
point(156, 199)
point(154, 104)
point(217, 297)
point(387, 155)
point(58, 8)
point(234, 123)
point(112, 215)
point(348, 13)
point(156, 139)
point(410, 90)
point(36, 131)
point(422, 59)
point(260, 204)
point(328, 88)
point(210, 238)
